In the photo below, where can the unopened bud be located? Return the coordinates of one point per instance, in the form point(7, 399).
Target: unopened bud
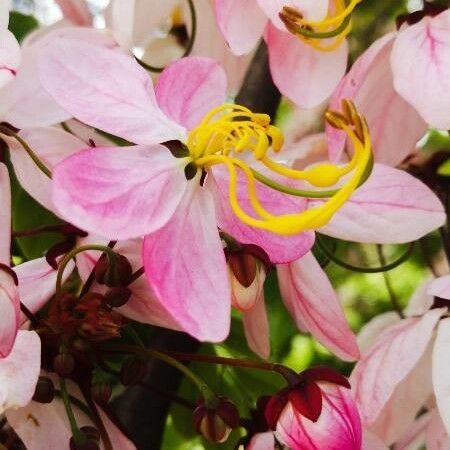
point(101, 393)
point(133, 371)
point(45, 390)
point(215, 424)
point(85, 445)
point(63, 364)
point(117, 296)
point(247, 276)
point(89, 439)
point(113, 271)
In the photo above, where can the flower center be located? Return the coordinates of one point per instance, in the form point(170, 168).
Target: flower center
point(324, 35)
point(229, 130)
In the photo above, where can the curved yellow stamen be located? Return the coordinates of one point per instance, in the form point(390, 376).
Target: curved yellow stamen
point(213, 141)
point(342, 13)
point(324, 35)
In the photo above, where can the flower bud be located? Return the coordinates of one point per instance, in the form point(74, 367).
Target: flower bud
point(90, 439)
point(117, 296)
point(101, 393)
point(215, 423)
point(133, 371)
point(319, 409)
point(63, 364)
point(247, 276)
point(113, 271)
point(45, 390)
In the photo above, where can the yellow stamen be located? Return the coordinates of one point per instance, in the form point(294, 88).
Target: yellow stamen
point(324, 35)
point(238, 130)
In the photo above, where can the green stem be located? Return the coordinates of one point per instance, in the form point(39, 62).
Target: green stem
point(189, 47)
point(383, 268)
point(78, 403)
point(42, 167)
point(205, 390)
point(101, 248)
point(387, 281)
point(77, 434)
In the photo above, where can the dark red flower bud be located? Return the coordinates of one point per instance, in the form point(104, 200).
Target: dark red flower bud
point(303, 393)
point(90, 439)
point(85, 445)
point(91, 433)
point(45, 390)
point(133, 371)
point(117, 296)
point(113, 271)
point(63, 364)
point(215, 423)
point(101, 393)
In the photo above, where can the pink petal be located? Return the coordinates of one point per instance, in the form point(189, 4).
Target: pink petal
point(370, 332)
point(190, 87)
point(46, 427)
point(210, 42)
point(391, 207)
point(436, 436)
point(312, 302)
point(10, 57)
point(310, 9)
point(5, 217)
point(440, 287)
point(262, 441)
point(372, 442)
point(25, 103)
point(5, 6)
point(232, 18)
point(279, 248)
point(370, 85)
point(51, 146)
point(134, 22)
point(389, 361)
point(304, 75)
point(420, 64)
point(186, 268)
point(256, 328)
point(108, 90)
point(137, 189)
point(414, 438)
point(19, 371)
point(405, 402)
point(9, 312)
point(77, 11)
point(441, 366)
point(37, 280)
point(338, 427)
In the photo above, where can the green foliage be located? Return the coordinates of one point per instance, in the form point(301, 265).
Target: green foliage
point(21, 24)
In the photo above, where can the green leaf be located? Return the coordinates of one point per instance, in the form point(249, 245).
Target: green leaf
point(21, 24)
point(444, 169)
point(28, 214)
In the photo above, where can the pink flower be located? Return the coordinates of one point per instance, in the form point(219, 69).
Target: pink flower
point(316, 412)
point(404, 368)
point(378, 212)
point(303, 73)
point(182, 251)
point(400, 82)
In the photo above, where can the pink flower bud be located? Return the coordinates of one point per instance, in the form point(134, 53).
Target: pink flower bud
point(316, 412)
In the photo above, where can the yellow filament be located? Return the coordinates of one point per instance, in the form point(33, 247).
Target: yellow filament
point(331, 44)
point(343, 13)
point(216, 137)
